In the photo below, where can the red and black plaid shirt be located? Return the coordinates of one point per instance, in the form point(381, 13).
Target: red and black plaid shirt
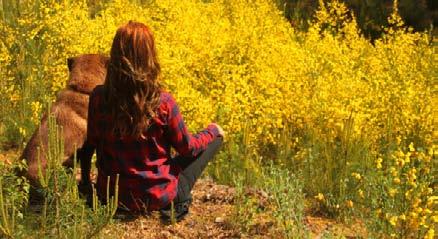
point(147, 177)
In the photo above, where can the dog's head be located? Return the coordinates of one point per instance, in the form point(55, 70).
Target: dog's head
point(86, 72)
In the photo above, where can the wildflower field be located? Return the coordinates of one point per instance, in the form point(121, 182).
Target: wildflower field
point(323, 119)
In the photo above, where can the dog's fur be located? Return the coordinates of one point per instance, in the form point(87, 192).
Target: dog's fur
point(70, 111)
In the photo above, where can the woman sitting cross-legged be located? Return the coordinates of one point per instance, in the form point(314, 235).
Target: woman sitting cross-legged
point(133, 124)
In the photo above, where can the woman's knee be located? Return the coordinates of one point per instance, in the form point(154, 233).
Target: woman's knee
point(219, 140)
point(214, 146)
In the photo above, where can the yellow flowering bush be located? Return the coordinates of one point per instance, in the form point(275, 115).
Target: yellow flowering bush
point(327, 103)
point(401, 195)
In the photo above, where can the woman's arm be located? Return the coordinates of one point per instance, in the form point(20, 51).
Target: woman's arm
point(181, 139)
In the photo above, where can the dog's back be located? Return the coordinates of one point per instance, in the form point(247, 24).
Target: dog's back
point(70, 111)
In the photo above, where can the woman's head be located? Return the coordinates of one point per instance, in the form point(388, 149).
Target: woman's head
point(132, 89)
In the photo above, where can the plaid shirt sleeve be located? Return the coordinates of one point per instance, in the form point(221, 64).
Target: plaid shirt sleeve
point(181, 139)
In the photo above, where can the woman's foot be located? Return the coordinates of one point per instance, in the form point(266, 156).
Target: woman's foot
point(180, 210)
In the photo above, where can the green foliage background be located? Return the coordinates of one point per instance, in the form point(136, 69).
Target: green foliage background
point(371, 14)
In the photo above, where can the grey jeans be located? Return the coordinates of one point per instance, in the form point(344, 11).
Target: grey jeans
point(192, 169)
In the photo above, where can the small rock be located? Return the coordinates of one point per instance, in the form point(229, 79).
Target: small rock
point(219, 220)
point(166, 234)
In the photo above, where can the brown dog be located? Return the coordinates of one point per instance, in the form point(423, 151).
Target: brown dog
point(70, 111)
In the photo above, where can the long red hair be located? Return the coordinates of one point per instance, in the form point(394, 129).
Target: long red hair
point(132, 88)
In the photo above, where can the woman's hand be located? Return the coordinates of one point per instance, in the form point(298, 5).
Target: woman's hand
point(219, 128)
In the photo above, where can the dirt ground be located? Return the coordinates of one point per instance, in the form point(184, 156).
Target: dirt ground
point(212, 216)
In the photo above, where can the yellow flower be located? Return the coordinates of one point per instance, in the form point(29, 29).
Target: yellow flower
point(379, 163)
point(427, 211)
point(407, 157)
point(356, 175)
point(398, 140)
point(408, 194)
point(378, 211)
point(413, 215)
point(349, 203)
point(413, 184)
point(393, 220)
point(360, 192)
point(423, 222)
point(22, 131)
point(36, 110)
point(392, 192)
point(396, 180)
point(393, 171)
point(430, 234)
point(320, 197)
point(416, 202)
point(411, 147)
point(400, 162)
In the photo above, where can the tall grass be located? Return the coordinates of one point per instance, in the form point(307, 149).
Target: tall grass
point(61, 213)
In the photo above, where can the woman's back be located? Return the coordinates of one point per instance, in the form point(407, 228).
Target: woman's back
point(143, 163)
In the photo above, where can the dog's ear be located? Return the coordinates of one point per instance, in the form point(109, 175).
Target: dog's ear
point(70, 61)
